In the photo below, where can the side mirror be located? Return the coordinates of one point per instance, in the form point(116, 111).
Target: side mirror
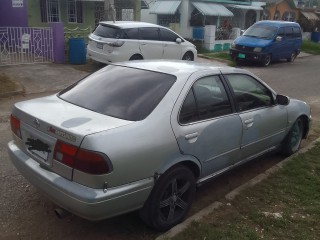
point(282, 100)
point(278, 38)
point(178, 40)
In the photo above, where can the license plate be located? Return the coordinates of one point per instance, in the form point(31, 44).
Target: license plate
point(38, 148)
point(42, 155)
point(100, 45)
point(241, 55)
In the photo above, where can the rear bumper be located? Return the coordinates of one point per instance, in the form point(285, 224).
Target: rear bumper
point(88, 203)
point(249, 56)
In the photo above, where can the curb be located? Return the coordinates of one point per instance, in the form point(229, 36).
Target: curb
point(231, 195)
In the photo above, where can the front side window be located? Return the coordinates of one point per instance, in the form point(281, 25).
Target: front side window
point(249, 93)
point(206, 99)
point(50, 10)
point(74, 11)
point(121, 92)
point(168, 36)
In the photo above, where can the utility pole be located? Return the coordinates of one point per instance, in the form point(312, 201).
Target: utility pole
point(109, 10)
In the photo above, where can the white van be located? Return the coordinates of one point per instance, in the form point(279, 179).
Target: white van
point(123, 41)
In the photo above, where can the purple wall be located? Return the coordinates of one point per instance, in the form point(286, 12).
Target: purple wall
point(13, 16)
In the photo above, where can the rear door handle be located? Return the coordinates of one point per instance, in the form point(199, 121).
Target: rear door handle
point(192, 137)
point(249, 122)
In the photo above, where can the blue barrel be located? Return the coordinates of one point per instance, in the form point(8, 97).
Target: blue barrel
point(198, 33)
point(315, 37)
point(77, 51)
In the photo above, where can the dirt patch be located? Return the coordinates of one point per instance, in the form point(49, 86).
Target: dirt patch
point(6, 84)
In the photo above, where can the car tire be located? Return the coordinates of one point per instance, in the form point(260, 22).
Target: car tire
point(292, 142)
point(170, 199)
point(292, 57)
point(136, 57)
point(188, 56)
point(267, 60)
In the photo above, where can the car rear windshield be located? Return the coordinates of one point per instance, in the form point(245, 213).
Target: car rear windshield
point(121, 92)
point(261, 31)
point(107, 31)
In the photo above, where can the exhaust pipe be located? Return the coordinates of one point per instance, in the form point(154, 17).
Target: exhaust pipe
point(61, 213)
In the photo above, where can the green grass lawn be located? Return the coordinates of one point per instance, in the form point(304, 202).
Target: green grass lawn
point(310, 47)
point(285, 206)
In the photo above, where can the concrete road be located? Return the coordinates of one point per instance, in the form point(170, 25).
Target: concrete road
point(26, 214)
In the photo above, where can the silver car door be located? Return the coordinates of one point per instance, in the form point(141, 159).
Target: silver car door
point(206, 126)
point(264, 122)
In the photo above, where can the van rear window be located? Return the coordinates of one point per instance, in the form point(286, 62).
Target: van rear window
point(106, 31)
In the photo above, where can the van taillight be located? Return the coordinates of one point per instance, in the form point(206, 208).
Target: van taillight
point(15, 126)
point(81, 159)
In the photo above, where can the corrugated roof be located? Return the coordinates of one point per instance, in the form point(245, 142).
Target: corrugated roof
point(310, 15)
point(247, 7)
point(165, 7)
point(212, 9)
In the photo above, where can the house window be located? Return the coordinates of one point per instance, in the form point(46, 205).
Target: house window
point(50, 10)
point(74, 11)
point(165, 20)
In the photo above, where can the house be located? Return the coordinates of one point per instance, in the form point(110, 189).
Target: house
point(305, 12)
point(184, 16)
point(38, 30)
point(215, 22)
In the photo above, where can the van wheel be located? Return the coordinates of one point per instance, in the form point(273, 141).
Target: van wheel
point(292, 57)
point(170, 200)
point(188, 56)
point(267, 60)
point(136, 57)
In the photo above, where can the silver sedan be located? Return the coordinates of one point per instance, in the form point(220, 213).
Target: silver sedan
point(144, 134)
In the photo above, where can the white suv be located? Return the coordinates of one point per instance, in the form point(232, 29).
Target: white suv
point(123, 41)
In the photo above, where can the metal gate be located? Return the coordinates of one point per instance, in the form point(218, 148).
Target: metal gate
point(23, 45)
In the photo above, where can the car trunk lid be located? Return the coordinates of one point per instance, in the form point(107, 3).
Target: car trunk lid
point(44, 121)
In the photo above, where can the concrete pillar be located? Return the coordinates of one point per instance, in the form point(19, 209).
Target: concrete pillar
point(58, 42)
point(137, 10)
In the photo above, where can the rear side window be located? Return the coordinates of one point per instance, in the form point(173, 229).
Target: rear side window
point(106, 31)
point(121, 92)
point(131, 33)
point(149, 33)
point(288, 32)
point(206, 99)
point(296, 32)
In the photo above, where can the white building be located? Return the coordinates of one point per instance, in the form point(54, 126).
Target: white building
point(222, 19)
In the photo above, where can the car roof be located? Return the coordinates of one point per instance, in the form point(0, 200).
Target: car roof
point(173, 67)
point(277, 23)
point(129, 24)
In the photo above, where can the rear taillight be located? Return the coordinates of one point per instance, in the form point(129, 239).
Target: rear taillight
point(15, 126)
point(116, 44)
point(81, 159)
